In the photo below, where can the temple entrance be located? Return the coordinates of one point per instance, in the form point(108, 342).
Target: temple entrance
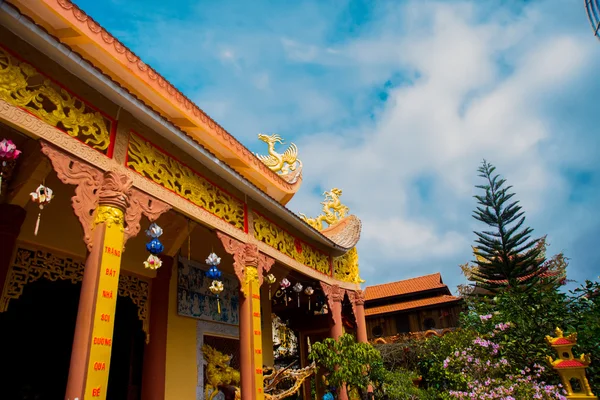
point(36, 335)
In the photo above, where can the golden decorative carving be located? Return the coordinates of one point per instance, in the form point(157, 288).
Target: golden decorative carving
point(31, 264)
point(272, 235)
point(23, 86)
point(218, 371)
point(287, 165)
point(155, 165)
point(110, 215)
point(345, 268)
point(250, 274)
point(333, 210)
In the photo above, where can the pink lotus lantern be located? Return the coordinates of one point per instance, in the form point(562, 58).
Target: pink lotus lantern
point(8, 155)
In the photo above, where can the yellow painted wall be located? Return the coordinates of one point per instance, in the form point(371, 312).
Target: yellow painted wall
point(182, 374)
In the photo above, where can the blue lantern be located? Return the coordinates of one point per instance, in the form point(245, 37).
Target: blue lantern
point(213, 273)
point(154, 246)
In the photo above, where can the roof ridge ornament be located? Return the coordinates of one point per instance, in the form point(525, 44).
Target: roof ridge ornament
point(333, 210)
point(286, 165)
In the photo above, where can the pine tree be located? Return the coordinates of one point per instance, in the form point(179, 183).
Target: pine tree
point(506, 254)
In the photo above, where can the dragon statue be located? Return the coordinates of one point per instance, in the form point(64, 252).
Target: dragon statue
point(333, 210)
point(221, 377)
point(218, 371)
point(287, 165)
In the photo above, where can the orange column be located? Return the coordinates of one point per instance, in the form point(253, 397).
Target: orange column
point(11, 219)
point(92, 344)
point(249, 266)
point(358, 304)
point(335, 297)
point(155, 352)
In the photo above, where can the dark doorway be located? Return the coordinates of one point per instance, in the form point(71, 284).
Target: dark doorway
point(36, 335)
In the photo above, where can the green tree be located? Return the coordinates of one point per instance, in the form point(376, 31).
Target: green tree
point(347, 362)
point(506, 254)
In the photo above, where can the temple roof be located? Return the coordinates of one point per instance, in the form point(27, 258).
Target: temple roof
point(79, 34)
point(412, 304)
point(408, 286)
point(73, 27)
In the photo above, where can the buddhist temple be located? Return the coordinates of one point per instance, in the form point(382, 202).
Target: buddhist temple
point(145, 252)
point(408, 308)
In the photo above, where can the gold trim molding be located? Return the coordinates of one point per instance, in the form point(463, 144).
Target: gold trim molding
point(31, 264)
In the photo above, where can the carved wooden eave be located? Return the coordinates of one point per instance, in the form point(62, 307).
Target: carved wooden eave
point(73, 27)
point(345, 233)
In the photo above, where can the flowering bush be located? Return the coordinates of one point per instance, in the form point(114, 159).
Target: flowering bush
point(511, 387)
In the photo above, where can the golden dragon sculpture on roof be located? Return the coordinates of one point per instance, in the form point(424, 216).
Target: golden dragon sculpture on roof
point(287, 165)
point(333, 210)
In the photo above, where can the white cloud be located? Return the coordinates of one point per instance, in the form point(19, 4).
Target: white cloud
point(513, 82)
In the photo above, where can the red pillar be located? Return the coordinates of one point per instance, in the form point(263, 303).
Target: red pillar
point(335, 297)
point(358, 304)
point(155, 352)
point(11, 219)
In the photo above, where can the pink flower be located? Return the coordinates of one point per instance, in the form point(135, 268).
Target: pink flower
point(8, 150)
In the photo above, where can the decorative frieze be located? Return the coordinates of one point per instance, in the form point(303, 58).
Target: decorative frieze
point(152, 163)
point(24, 86)
point(274, 236)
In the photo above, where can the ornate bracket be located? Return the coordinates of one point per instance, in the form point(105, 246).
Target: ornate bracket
point(246, 255)
point(357, 298)
point(94, 187)
point(334, 294)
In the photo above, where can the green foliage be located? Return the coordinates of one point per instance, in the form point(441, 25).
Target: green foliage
point(347, 362)
point(532, 315)
point(434, 350)
point(509, 257)
point(398, 385)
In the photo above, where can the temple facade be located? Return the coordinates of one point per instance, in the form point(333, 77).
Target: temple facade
point(144, 251)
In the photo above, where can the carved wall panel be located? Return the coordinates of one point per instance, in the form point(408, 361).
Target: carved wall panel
point(23, 86)
point(274, 236)
point(31, 264)
point(345, 268)
point(149, 161)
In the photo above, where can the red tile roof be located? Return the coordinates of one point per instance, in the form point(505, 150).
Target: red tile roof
point(562, 341)
point(414, 285)
point(569, 364)
point(409, 305)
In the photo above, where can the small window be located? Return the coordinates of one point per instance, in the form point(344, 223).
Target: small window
point(377, 331)
point(429, 323)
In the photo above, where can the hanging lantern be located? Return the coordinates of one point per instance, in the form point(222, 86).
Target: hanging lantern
point(270, 280)
point(309, 292)
point(153, 262)
point(284, 285)
point(216, 288)
point(154, 246)
point(298, 289)
point(8, 155)
point(213, 272)
point(42, 196)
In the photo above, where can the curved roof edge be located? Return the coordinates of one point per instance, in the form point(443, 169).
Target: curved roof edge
point(124, 66)
point(75, 63)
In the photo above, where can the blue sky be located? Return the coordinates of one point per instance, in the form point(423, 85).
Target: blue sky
point(397, 103)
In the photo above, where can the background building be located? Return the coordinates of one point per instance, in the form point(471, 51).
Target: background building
point(410, 306)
